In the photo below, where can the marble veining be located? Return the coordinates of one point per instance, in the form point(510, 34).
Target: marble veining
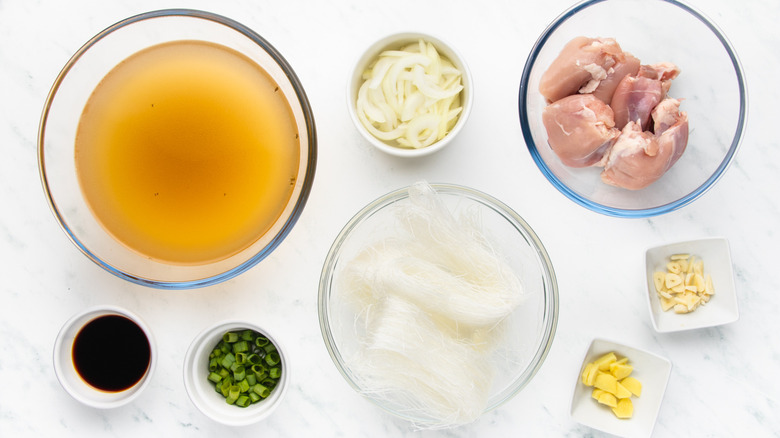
point(723, 380)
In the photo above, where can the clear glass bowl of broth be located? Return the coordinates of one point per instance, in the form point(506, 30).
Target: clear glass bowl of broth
point(177, 149)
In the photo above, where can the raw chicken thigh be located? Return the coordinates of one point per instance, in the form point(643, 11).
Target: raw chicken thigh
point(606, 109)
point(628, 65)
point(638, 158)
point(583, 62)
point(637, 95)
point(634, 100)
point(580, 129)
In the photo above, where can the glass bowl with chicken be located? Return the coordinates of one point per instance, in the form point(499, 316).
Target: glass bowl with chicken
point(632, 108)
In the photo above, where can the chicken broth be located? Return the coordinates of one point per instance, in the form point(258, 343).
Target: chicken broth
point(187, 152)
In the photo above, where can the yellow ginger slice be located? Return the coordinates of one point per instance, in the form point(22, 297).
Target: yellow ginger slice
point(624, 408)
point(620, 371)
point(633, 385)
point(608, 399)
point(604, 361)
point(607, 382)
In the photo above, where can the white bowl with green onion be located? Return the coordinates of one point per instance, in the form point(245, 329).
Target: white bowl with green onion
point(410, 94)
point(241, 384)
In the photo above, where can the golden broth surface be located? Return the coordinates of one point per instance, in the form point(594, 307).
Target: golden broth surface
point(187, 152)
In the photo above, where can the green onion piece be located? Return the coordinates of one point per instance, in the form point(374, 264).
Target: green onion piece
point(275, 373)
point(225, 388)
point(228, 360)
point(224, 372)
point(254, 359)
point(248, 335)
point(243, 386)
point(269, 348)
point(271, 383)
point(259, 371)
point(230, 337)
point(272, 358)
point(261, 341)
point(240, 358)
point(225, 348)
point(261, 390)
point(213, 364)
point(214, 377)
point(243, 401)
point(240, 347)
point(254, 397)
point(239, 373)
point(251, 379)
point(233, 394)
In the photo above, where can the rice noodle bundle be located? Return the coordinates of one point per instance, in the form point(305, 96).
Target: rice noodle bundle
point(431, 302)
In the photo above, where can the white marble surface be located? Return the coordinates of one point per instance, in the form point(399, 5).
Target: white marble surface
point(724, 381)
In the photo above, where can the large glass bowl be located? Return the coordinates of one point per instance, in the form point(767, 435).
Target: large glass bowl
point(61, 116)
point(711, 84)
point(530, 328)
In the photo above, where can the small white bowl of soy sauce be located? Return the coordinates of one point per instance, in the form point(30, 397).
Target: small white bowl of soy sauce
point(104, 356)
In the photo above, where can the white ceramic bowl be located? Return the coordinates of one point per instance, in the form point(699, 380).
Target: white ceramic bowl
point(396, 41)
point(201, 390)
point(722, 308)
point(650, 369)
point(70, 379)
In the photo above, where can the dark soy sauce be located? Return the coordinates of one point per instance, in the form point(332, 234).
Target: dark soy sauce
point(111, 353)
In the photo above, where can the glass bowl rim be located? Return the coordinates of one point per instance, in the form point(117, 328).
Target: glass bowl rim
point(308, 175)
point(551, 296)
point(622, 212)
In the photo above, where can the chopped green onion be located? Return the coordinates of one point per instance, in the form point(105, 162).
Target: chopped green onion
point(233, 394)
point(240, 347)
point(239, 373)
point(261, 390)
point(244, 367)
point(243, 401)
point(228, 360)
point(273, 358)
point(215, 377)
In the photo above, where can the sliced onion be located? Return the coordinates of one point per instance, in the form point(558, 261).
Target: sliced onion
point(410, 96)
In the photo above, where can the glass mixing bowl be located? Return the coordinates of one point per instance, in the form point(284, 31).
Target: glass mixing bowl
point(62, 113)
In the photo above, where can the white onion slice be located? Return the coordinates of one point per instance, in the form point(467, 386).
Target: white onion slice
point(410, 96)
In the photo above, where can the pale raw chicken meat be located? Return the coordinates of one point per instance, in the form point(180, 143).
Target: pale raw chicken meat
point(671, 128)
point(580, 129)
point(662, 71)
point(634, 100)
point(628, 65)
point(637, 95)
point(583, 62)
point(639, 158)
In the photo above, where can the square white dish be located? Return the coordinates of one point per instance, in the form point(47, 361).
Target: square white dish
point(650, 369)
point(722, 308)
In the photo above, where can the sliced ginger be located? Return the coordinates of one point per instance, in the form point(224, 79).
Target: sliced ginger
point(612, 384)
point(684, 286)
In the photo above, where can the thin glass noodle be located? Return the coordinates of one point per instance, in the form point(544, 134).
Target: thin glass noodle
point(431, 302)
